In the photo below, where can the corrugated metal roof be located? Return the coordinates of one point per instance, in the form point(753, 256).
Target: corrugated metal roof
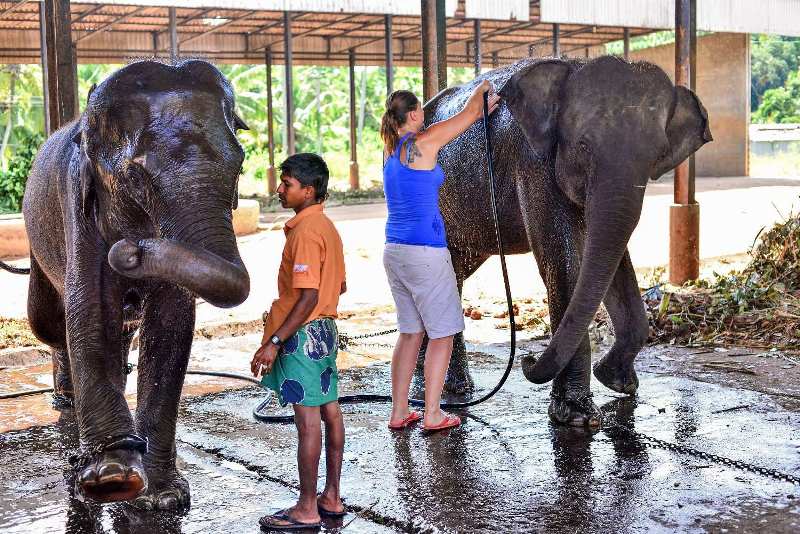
point(781, 17)
point(375, 7)
point(497, 9)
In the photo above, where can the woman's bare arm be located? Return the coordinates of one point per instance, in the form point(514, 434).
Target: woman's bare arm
point(439, 134)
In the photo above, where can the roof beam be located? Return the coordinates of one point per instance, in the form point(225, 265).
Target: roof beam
point(88, 13)
point(13, 8)
point(103, 28)
point(218, 27)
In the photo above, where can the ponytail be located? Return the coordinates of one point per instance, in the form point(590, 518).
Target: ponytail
point(398, 105)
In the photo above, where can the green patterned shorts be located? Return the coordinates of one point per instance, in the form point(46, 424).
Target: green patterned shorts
point(305, 371)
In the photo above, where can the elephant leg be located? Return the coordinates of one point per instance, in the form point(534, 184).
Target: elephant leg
point(624, 304)
point(458, 380)
point(164, 346)
point(46, 317)
point(556, 236)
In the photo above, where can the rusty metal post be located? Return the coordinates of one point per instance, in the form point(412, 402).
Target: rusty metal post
point(626, 44)
point(477, 47)
point(58, 68)
point(556, 40)
point(272, 181)
point(434, 48)
point(351, 56)
point(389, 55)
point(287, 51)
point(173, 36)
point(684, 220)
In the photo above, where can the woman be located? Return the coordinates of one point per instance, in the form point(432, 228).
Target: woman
point(416, 258)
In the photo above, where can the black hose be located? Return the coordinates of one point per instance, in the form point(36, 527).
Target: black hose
point(349, 399)
point(15, 270)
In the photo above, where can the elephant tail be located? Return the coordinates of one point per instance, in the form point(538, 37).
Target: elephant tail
point(15, 270)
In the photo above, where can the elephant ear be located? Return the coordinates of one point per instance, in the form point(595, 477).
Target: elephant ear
point(533, 96)
point(687, 130)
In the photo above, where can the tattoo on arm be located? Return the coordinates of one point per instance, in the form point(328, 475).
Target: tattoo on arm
point(413, 152)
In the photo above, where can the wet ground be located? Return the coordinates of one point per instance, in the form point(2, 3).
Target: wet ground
point(505, 470)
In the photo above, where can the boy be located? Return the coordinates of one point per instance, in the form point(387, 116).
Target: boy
point(297, 357)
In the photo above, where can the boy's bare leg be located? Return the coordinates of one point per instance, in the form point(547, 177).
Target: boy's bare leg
point(309, 433)
point(331, 499)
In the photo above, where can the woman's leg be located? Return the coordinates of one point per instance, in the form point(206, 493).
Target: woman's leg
point(437, 359)
point(404, 360)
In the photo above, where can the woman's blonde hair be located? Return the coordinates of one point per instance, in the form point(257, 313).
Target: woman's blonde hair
point(398, 105)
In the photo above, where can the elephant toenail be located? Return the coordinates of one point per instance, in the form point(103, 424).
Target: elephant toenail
point(144, 503)
point(111, 470)
point(168, 501)
point(88, 475)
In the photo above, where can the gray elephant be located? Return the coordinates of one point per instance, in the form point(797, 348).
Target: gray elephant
point(129, 216)
point(575, 143)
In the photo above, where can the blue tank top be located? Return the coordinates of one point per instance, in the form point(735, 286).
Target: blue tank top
point(412, 197)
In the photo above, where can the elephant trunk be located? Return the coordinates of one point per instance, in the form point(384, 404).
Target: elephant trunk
point(221, 282)
point(612, 213)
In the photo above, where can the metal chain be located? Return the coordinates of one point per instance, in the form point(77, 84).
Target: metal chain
point(683, 449)
point(346, 340)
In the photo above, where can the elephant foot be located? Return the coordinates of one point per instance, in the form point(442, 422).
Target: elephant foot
point(619, 378)
point(458, 381)
point(112, 472)
point(63, 401)
point(167, 491)
point(576, 410)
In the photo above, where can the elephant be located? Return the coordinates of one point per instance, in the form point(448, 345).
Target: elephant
point(574, 144)
point(128, 211)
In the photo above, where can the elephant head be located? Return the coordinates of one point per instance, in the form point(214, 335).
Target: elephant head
point(608, 126)
point(158, 169)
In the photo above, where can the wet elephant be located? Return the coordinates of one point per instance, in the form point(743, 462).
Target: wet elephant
point(129, 214)
point(575, 143)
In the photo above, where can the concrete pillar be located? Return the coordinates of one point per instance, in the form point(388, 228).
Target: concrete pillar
point(556, 40)
point(351, 56)
point(626, 44)
point(478, 51)
point(684, 243)
point(389, 56)
point(272, 181)
point(434, 48)
point(287, 50)
point(174, 53)
point(58, 67)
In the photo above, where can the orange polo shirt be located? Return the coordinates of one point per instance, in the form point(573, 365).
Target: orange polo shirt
point(313, 257)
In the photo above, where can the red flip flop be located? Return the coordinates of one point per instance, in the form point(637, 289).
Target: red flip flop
point(412, 418)
point(449, 421)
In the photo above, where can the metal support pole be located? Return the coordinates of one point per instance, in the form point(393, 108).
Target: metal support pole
point(287, 50)
point(58, 64)
point(174, 53)
point(272, 181)
point(351, 56)
point(48, 112)
point(389, 55)
point(434, 48)
point(495, 60)
point(478, 51)
point(684, 224)
point(531, 50)
point(556, 40)
point(626, 44)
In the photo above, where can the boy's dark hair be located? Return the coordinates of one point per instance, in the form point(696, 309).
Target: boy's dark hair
point(308, 169)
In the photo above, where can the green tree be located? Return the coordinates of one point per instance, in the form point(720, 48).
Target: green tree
point(772, 58)
point(781, 104)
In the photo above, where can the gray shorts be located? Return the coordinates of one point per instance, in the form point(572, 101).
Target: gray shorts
point(424, 288)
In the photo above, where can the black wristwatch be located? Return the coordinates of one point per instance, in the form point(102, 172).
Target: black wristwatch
point(275, 340)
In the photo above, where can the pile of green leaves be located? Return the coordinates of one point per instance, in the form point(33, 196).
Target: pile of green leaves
point(756, 307)
point(12, 181)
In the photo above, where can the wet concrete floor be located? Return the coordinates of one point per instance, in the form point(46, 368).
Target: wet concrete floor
point(505, 470)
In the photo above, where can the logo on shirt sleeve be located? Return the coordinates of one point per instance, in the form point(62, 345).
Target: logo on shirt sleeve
point(300, 268)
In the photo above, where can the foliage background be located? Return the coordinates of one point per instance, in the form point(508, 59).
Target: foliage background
point(322, 109)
